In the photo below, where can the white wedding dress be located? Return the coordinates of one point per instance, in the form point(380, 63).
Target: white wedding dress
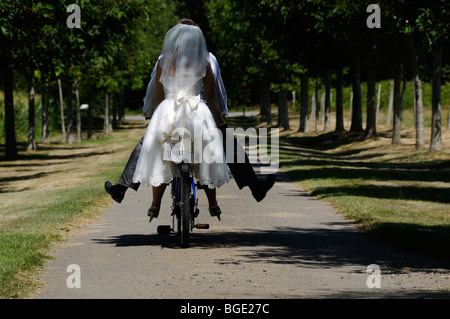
point(182, 113)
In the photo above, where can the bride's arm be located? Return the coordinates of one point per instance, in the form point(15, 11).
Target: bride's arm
point(159, 94)
point(210, 96)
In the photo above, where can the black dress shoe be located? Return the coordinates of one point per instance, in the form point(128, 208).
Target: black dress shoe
point(117, 192)
point(215, 211)
point(260, 190)
point(153, 212)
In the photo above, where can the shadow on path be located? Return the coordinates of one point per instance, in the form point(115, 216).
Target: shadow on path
point(299, 247)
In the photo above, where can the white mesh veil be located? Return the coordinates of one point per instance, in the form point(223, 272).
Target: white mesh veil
point(184, 55)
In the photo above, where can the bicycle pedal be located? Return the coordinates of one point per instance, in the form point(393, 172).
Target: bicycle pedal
point(202, 226)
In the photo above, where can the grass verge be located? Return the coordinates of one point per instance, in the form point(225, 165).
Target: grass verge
point(397, 194)
point(45, 194)
point(395, 198)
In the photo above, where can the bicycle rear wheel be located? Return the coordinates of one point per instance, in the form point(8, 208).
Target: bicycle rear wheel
point(185, 218)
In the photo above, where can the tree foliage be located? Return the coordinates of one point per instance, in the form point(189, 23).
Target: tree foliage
point(112, 52)
point(275, 42)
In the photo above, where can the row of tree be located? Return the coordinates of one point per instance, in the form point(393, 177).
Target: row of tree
point(96, 48)
point(271, 45)
point(266, 45)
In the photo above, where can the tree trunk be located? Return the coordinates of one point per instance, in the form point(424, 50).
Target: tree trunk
point(267, 105)
point(265, 109)
point(121, 109)
point(327, 110)
point(418, 102)
point(420, 139)
point(391, 103)
point(106, 126)
point(398, 104)
point(357, 100)
point(31, 116)
point(283, 115)
point(378, 104)
point(339, 102)
point(262, 111)
point(304, 103)
point(70, 138)
point(77, 105)
point(114, 112)
point(350, 106)
point(10, 127)
point(111, 112)
point(89, 130)
point(322, 108)
point(61, 107)
point(312, 115)
point(45, 112)
point(371, 129)
point(317, 116)
point(280, 109)
point(436, 139)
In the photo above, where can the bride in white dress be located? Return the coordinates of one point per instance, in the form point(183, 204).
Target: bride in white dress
point(182, 72)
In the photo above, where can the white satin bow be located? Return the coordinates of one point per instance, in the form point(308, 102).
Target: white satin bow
point(191, 100)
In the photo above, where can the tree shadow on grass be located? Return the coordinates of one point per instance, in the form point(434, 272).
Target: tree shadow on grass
point(311, 160)
point(242, 121)
point(430, 241)
point(42, 155)
point(417, 193)
point(313, 163)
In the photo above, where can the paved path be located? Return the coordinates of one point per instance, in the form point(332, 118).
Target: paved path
point(287, 246)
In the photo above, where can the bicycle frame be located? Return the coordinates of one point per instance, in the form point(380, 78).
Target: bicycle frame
point(176, 195)
point(184, 204)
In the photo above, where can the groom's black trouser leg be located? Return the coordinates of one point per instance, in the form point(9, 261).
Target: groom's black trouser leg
point(127, 175)
point(243, 172)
